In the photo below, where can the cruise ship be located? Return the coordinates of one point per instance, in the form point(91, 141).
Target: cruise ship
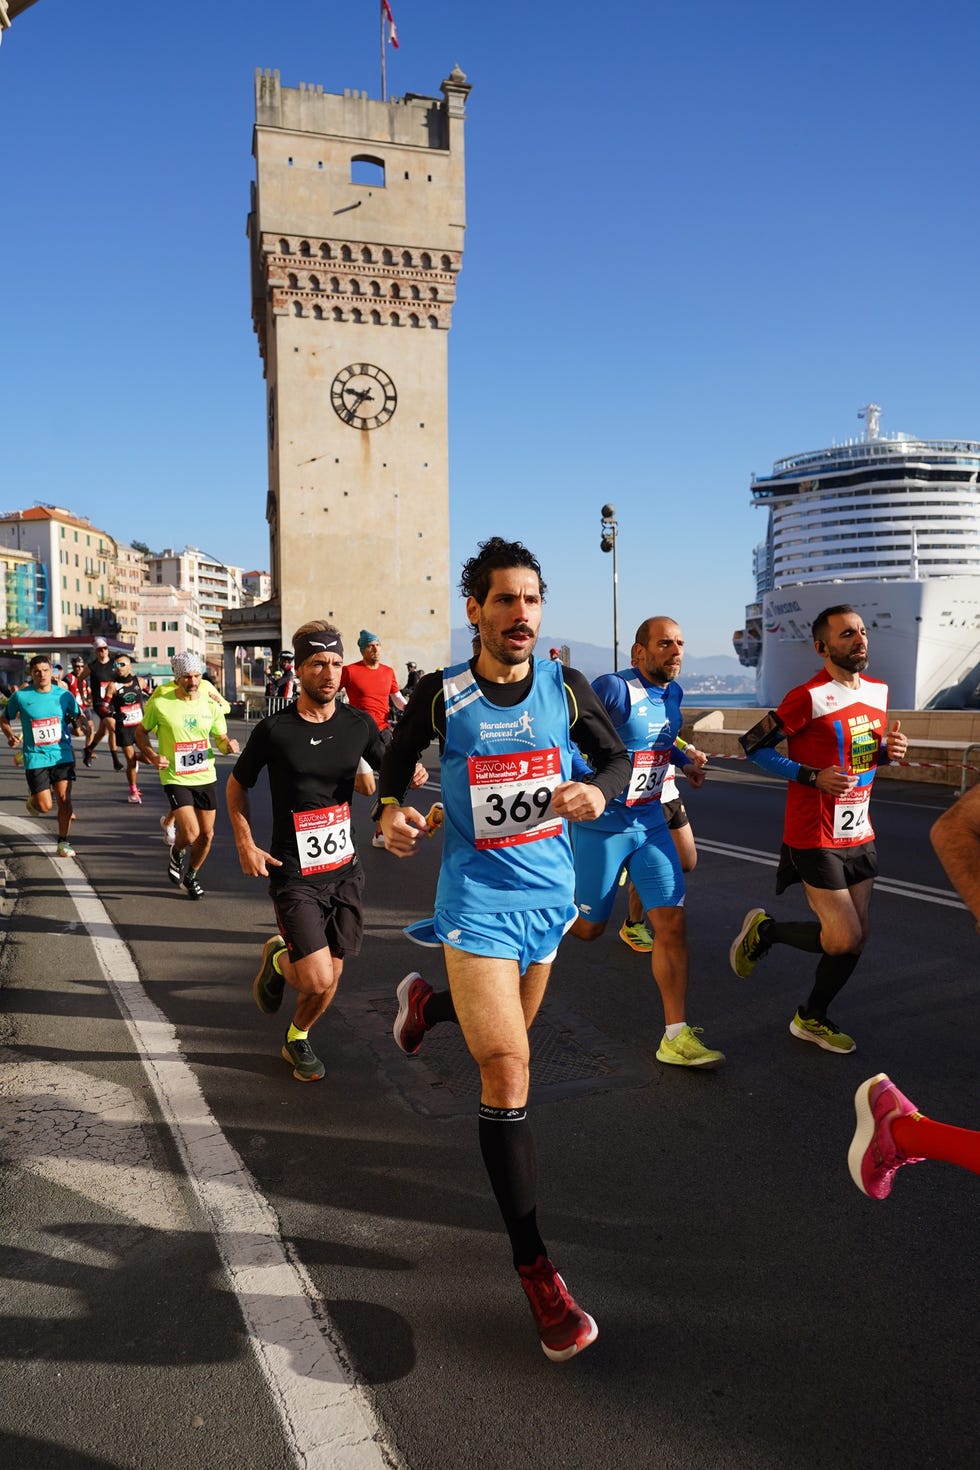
point(890, 525)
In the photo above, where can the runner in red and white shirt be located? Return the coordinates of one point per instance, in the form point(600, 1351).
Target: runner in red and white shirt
point(371, 686)
point(837, 732)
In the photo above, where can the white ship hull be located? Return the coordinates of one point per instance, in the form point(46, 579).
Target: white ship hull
point(924, 637)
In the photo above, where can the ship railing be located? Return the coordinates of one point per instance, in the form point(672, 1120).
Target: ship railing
point(878, 449)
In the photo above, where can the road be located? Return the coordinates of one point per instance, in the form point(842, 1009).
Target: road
point(207, 1263)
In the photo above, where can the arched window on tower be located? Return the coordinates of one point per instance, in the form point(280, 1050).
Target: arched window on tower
point(415, 293)
point(413, 320)
point(375, 288)
point(395, 319)
point(396, 290)
point(292, 281)
point(386, 257)
point(355, 287)
point(425, 260)
point(345, 253)
point(446, 263)
point(367, 168)
point(304, 247)
point(314, 283)
point(297, 308)
point(285, 248)
point(433, 321)
point(356, 315)
point(406, 257)
point(318, 313)
point(334, 284)
point(376, 318)
point(338, 315)
point(366, 255)
point(325, 251)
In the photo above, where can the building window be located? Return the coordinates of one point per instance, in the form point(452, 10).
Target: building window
point(365, 168)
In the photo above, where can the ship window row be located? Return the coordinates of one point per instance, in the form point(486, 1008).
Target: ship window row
point(880, 568)
point(895, 475)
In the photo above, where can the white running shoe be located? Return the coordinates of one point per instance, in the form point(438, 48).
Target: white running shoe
point(168, 828)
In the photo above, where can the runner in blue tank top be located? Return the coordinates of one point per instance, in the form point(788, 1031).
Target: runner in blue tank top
point(644, 704)
point(506, 723)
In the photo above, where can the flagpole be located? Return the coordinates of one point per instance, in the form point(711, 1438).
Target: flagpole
point(384, 59)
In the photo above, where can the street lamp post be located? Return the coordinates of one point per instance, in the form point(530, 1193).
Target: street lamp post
point(610, 529)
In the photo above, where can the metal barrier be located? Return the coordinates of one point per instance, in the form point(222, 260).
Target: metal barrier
point(966, 766)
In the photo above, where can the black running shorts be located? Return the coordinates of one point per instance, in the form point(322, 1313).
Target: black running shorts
point(320, 912)
point(826, 867)
point(675, 814)
point(201, 798)
point(39, 778)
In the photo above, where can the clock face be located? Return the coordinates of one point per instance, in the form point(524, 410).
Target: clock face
point(363, 396)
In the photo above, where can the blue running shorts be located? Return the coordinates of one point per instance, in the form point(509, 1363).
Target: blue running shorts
point(529, 936)
point(647, 854)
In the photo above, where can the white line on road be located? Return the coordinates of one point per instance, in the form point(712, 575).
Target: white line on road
point(921, 891)
point(326, 1418)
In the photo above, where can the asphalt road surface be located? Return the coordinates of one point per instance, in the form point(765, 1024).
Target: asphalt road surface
point(209, 1264)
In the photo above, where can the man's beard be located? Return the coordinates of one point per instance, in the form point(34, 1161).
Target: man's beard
point(498, 649)
point(850, 663)
point(318, 695)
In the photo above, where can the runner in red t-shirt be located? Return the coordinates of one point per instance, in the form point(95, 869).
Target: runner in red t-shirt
point(836, 728)
point(370, 685)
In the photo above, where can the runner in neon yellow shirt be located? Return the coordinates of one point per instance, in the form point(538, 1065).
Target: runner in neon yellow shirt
point(186, 721)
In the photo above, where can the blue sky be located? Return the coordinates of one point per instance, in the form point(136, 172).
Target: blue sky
point(700, 236)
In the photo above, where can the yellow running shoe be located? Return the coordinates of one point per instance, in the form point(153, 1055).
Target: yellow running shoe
point(637, 936)
point(822, 1033)
point(687, 1050)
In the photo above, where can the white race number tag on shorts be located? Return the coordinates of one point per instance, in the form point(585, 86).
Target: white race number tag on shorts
point(46, 732)
point(323, 839)
point(647, 777)
point(511, 797)
point(191, 756)
point(851, 815)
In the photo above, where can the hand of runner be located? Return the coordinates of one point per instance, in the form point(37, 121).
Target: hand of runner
point(835, 780)
point(696, 775)
point(699, 757)
point(577, 801)
point(419, 778)
point(255, 863)
point(402, 826)
point(896, 743)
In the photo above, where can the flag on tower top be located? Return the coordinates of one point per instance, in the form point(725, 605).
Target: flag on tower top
point(392, 31)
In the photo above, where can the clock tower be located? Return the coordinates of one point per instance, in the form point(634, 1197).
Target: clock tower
point(356, 231)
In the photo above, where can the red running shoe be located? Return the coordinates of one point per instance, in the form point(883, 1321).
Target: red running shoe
point(409, 1028)
point(564, 1329)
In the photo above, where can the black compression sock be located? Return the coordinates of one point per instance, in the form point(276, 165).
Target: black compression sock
point(833, 973)
point(798, 933)
point(507, 1146)
point(439, 1007)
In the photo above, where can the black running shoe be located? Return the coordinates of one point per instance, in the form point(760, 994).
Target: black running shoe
point(87, 756)
point(194, 889)
point(306, 1065)
point(175, 865)
point(268, 985)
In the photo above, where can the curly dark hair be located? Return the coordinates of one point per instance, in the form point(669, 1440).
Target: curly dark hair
point(496, 555)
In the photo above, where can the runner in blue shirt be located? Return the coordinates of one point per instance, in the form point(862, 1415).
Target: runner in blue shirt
point(47, 713)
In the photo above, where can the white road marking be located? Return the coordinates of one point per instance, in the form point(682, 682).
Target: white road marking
point(921, 891)
point(326, 1418)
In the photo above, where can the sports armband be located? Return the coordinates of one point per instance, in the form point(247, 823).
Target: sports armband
point(767, 733)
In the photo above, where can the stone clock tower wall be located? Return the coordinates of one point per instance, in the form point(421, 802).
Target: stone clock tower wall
point(356, 233)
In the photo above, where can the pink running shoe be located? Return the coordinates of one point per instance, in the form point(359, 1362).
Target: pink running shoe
point(874, 1157)
point(564, 1329)
point(134, 796)
point(409, 1028)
